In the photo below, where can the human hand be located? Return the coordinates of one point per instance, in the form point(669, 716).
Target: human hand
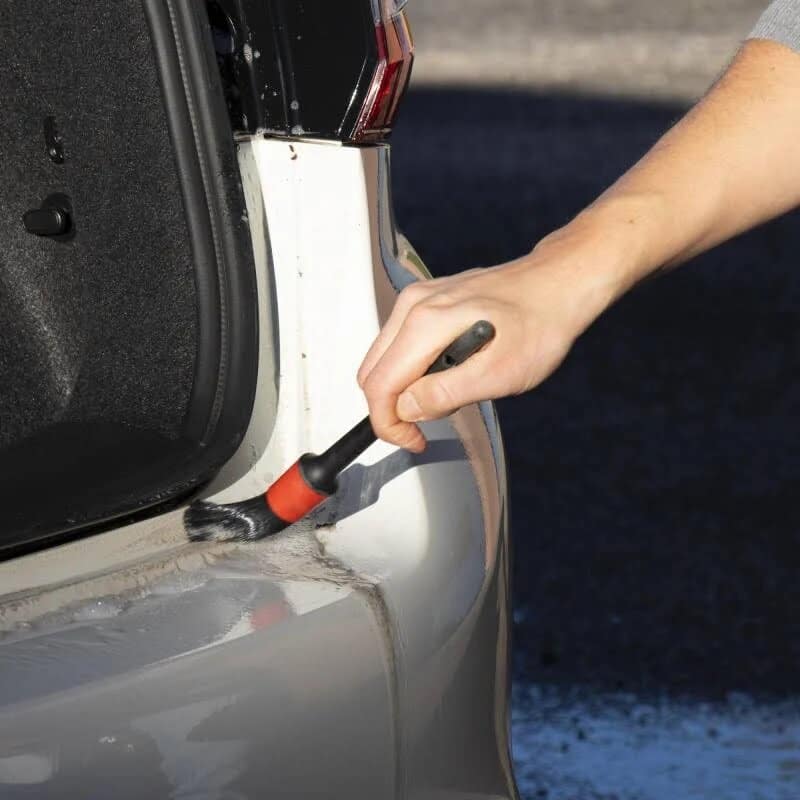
point(538, 304)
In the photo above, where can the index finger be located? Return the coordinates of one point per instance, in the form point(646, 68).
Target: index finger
point(424, 333)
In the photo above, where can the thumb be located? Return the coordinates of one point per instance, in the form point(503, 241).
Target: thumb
point(436, 396)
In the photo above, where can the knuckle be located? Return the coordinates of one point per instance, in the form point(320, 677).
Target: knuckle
point(380, 425)
point(411, 294)
point(443, 300)
point(420, 315)
point(454, 294)
point(361, 376)
point(373, 386)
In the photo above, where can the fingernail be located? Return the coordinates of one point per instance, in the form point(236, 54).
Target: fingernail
point(408, 408)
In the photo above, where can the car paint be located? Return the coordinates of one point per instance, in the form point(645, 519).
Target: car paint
point(362, 653)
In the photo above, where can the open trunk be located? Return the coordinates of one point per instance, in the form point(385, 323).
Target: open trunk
point(128, 329)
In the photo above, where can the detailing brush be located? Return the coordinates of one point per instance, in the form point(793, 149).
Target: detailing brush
point(313, 478)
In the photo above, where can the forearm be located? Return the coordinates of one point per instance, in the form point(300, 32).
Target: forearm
point(730, 164)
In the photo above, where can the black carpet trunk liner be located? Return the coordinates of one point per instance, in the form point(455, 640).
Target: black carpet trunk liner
point(99, 328)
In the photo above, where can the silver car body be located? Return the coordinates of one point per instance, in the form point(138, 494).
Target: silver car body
point(363, 653)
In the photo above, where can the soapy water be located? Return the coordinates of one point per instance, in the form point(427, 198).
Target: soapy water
point(217, 596)
point(576, 746)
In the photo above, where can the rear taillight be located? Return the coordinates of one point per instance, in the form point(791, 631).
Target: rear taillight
point(321, 69)
point(390, 79)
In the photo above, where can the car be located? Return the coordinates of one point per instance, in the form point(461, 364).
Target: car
point(199, 248)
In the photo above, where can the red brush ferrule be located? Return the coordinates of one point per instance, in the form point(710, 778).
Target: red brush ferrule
point(291, 497)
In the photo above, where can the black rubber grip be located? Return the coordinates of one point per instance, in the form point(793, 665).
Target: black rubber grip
point(478, 336)
point(320, 471)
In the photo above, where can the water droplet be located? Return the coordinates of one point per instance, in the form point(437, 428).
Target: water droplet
point(247, 51)
point(297, 130)
point(294, 105)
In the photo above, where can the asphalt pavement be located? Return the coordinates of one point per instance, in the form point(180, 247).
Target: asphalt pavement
point(653, 479)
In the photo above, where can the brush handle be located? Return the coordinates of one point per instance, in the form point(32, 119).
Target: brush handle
point(463, 348)
point(322, 469)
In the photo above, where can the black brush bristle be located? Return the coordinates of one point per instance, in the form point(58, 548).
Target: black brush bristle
point(234, 522)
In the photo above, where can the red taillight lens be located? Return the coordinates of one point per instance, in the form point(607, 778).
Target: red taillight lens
point(390, 79)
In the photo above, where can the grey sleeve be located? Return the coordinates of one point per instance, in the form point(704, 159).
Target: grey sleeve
point(780, 23)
